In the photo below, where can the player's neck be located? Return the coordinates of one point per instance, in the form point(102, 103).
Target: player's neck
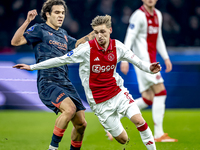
point(149, 9)
point(52, 26)
point(105, 46)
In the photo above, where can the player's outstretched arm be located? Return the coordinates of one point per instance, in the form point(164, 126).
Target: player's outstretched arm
point(86, 38)
point(155, 67)
point(22, 66)
point(124, 67)
point(18, 38)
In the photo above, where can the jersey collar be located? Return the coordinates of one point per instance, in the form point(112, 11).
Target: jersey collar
point(110, 46)
point(146, 12)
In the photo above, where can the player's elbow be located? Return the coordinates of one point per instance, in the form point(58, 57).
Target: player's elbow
point(14, 43)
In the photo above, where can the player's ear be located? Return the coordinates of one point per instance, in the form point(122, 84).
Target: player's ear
point(47, 14)
point(110, 30)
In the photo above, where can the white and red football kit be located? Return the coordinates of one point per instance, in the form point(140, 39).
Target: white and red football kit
point(144, 37)
point(103, 86)
point(97, 68)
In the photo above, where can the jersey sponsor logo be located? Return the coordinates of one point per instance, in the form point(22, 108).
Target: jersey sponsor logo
point(96, 59)
point(70, 53)
point(131, 26)
point(153, 30)
point(111, 57)
point(150, 22)
point(99, 68)
point(60, 45)
point(30, 29)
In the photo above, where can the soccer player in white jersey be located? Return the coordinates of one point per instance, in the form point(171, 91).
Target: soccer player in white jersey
point(144, 37)
point(103, 87)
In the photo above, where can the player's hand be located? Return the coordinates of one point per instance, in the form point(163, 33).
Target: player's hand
point(168, 65)
point(22, 66)
point(155, 67)
point(124, 67)
point(31, 15)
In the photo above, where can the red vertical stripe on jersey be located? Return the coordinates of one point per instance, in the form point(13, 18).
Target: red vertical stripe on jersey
point(102, 66)
point(152, 33)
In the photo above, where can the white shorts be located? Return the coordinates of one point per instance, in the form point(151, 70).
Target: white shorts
point(108, 111)
point(145, 80)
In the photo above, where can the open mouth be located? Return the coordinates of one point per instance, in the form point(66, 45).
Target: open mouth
point(60, 21)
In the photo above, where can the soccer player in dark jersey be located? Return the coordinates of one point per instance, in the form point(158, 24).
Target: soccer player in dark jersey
point(54, 87)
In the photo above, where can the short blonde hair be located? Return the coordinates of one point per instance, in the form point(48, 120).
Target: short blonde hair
point(99, 20)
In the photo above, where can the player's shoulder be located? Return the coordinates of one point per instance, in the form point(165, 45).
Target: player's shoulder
point(84, 46)
point(119, 44)
point(158, 12)
point(137, 14)
point(34, 27)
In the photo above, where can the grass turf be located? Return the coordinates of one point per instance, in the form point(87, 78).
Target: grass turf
point(22, 130)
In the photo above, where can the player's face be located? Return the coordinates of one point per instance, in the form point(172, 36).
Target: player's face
point(102, 35)
point(150, 3)
point(57, 16)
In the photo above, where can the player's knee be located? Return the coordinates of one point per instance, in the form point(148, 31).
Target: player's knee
point(140, 122)
point(81, 127)
point(69, 112)
point(123, 140)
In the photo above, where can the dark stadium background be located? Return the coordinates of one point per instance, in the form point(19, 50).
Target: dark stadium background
point(181, 32)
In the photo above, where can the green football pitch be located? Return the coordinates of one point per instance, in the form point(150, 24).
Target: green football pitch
point(32, 130)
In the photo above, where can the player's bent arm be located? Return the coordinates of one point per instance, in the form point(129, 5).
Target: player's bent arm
point(18, 38)
point(86, 38)
point(127, 55)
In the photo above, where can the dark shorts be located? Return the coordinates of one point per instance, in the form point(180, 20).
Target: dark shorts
point(54, 94)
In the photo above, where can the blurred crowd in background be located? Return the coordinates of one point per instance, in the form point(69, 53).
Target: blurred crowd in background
point(181, 19)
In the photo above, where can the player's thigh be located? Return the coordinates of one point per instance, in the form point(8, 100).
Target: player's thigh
point(52, 96)
point(134, 114)
point(113, 124)
point(157, 88)
point(67, 106)
point(148, 94)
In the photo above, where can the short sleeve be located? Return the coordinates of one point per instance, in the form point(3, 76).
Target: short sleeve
point(71, 43)
point(33, 34)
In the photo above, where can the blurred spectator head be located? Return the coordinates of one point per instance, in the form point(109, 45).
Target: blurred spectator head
point(194, 22)
point(197, 10)
point(177, 3)
point(169, 24)
point(2, 10)
point(18, 4)
point(47, 7)
point(106, 6)
point(20, 20)
point(126, 13)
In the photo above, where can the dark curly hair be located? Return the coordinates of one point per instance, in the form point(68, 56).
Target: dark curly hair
point(47, 7)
